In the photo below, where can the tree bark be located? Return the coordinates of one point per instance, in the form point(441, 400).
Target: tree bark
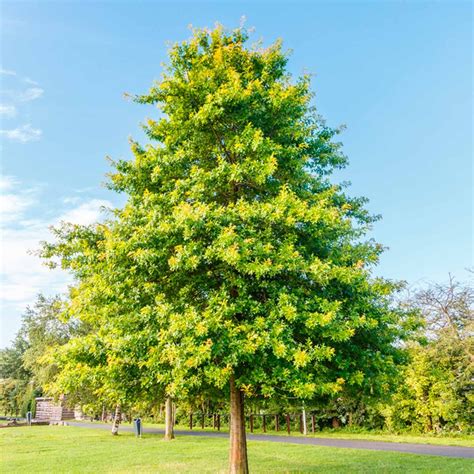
point(169, 421)
point(117, 419)
point(305, 428)
point(238, 462)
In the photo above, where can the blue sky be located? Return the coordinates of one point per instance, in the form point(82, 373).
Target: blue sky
point(398, 74)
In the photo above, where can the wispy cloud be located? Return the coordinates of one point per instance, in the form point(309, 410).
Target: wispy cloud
point(7, 72)
point(23, 275)
point(7, 110)
point(12, 206)
point(71, 200)
point(32, 93)
point(30, 81)
point(7, 182)
point(14, 199)
point(23, 134)
point(86, 213)
point(23, 90)
point(25, 95)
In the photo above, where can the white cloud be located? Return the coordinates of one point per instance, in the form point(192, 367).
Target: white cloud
point(86, 213)
point(14, 201)
point(7, 72)
point(12, 206)
point(71, 200)
point(23, 275)
point(30, 81)
point(7, 110)
point(31, 93)
point(23, 134)
point(7, 182)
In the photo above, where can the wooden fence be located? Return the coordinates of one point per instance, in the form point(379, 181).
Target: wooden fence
point(265, 421)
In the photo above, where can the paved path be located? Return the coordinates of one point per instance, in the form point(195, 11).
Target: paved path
point(430, 449)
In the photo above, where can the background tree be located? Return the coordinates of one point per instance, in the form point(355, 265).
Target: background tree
point(22, 373)
point(448, 311)
point(437, 393)
point(15, 385)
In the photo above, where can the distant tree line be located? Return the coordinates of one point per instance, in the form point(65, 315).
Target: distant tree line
point(431, 390)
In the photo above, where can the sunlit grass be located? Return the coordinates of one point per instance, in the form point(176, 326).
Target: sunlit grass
point(61, 449)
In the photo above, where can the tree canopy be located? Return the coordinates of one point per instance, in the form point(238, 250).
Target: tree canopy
point(236, 265)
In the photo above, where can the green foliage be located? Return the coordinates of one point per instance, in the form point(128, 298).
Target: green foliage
point(14, 377)
point(437, 393)
point(235, 254)
point(11, 360)
point(22, 369)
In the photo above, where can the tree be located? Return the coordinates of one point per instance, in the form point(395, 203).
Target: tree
point(21, 369)
point(43, 326)
point(448, 311)
point(236, 260)
point(260, 263)
point(14, 378)
point(103, 365)
point(438, 390)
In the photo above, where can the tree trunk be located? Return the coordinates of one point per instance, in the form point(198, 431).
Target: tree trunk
point(238, 463)
point(169, 421)
point(117, 419)
point(303, 415)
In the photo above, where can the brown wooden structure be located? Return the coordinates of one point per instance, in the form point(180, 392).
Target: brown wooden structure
point(49, 410)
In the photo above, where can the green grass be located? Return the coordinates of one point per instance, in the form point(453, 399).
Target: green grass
point(67, 449)
point(443, 440)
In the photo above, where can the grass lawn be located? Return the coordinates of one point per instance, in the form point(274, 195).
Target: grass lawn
point(61, 449)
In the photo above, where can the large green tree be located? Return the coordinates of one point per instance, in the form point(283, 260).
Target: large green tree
point(240, 264)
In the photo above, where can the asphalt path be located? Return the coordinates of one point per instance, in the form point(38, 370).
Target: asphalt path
point(412, 448)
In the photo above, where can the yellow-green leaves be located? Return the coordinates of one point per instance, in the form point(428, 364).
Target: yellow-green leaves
point(286, 307)
point(184, 257)
point(301, 358)
point(234, 254)
point(315, 319)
